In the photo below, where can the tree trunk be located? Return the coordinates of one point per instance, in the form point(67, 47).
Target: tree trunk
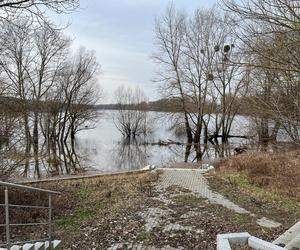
point(188, 130)
point(36, 145)
point(264, 130)
point(27, 145)
point(187, 152)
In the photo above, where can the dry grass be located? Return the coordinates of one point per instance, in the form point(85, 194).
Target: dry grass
point(82, 201)
point(276, 172)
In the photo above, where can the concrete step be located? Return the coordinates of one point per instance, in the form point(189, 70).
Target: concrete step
point(16, 247)
point(294, 243)
point(39, 246)
point(56, 245)
point(28, 246)
point(256, 243)
point(291, 236)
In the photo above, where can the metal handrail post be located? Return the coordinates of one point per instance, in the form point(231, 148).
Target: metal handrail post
point(7, 219)
point(50, 222)
point(6, 205)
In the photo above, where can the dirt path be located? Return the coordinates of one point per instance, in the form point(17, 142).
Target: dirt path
point(195, 182)
point(163, 209)
point(185, 214)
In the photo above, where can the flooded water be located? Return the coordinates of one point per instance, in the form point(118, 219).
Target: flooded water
point(104, 148)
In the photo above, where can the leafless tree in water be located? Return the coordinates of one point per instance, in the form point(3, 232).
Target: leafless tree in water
point(193, 53)
point(16, 65)
point(52, 91)
point(131, 117)
point(269, 32)
point(169, 31)
point(71, 106)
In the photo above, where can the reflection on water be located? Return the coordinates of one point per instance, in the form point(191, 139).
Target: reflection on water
point(130, 154)
point(58, 158)
point(104, 148)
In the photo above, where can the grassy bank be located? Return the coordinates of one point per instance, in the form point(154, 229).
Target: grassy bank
point(89, 211)
point(267, 184)
point(98, 212)
point(95, 211)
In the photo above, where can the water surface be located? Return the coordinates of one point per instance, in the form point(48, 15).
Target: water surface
point(105, 149)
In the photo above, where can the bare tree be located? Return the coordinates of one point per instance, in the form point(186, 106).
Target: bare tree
point(69, 108)
point(194, 53)
point(80, 93)
point(12, 10)
point(16, 64)
point(131, 117)
point(50, 49)
point(269, 32)
point(230, 83)
point(210, 76)
point(262, 88)
point(169, 31)
point(53, 93)
point(198, 52)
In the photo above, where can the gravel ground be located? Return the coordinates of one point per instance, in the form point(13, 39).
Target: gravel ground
point(165, 209)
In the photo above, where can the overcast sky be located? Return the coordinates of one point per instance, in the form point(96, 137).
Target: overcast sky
point(121, 32)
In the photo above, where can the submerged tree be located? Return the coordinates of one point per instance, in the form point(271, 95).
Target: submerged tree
point(80, 93)
point(70, 106)
point(169, 31)
point(131, 117)
point(194, 54)
point(50, 91)
point(269, 33)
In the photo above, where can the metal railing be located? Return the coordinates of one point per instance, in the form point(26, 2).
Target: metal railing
point(6, 205)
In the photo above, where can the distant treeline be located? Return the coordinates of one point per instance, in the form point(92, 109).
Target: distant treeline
point(161, 105)
point(15, 105)
point(174, 105)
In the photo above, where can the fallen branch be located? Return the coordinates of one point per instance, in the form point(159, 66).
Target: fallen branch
point(164, 143)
